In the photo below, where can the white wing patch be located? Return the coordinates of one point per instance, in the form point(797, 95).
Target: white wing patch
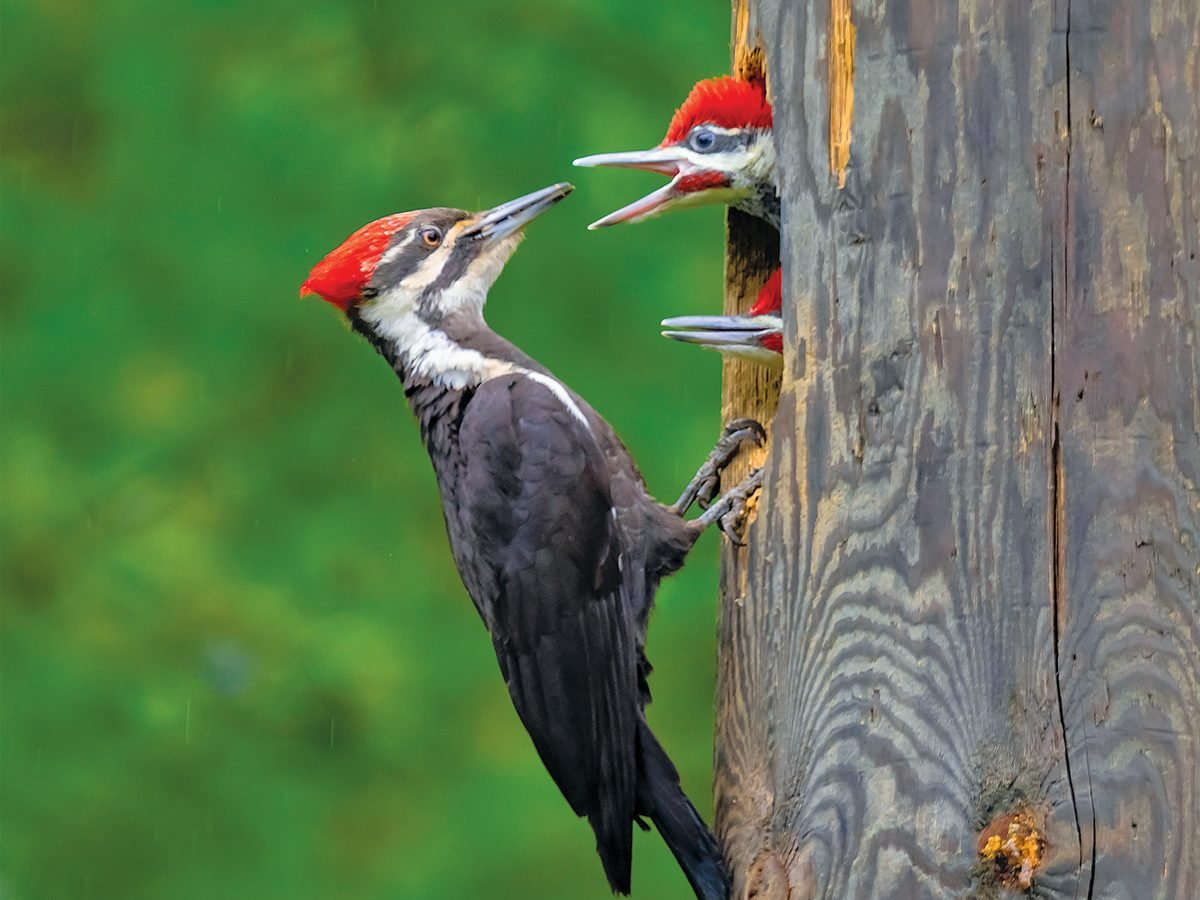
point(558, 391)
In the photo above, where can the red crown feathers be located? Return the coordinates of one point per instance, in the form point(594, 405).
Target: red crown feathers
point(724, 101)
point(339, 278)
point(770, 299)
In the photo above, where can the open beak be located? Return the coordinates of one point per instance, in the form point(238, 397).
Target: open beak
point(501, 221)
point(663, 160)
point(667, 161)
point(746, 336)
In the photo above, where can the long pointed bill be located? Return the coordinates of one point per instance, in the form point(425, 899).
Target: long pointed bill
point(724, 324)
point(663, 160)
point(501, 221)
point(749, 337)
point(647, 207)
point(692, 183)
point(667, 161)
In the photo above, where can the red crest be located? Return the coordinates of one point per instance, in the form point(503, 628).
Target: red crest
point(724, 101)
point(340, 277)
point(770, 299)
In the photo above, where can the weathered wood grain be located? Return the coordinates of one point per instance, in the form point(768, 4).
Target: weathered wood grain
point(1126, 357)
point(971, 589)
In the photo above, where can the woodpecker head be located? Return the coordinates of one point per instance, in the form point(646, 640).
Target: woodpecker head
point(400, 278)
point(718, 149)
point(756, 336)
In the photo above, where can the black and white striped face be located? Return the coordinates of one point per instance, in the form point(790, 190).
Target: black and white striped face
point(402, 276)
point(432, 268)
point(710, 164)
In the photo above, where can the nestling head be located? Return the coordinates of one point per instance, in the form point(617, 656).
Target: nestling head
point(718, 149)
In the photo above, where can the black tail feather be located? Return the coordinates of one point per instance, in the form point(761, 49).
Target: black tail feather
point(615, 849)
point(662, 800)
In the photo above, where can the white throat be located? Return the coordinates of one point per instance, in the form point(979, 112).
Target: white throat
point(427, 351)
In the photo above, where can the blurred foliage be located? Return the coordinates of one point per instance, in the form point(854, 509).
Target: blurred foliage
point(237, 660)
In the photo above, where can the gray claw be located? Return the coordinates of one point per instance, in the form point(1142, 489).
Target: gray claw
point(729, 512)
point(706, 484)
point(752, 426)
point(731, 522)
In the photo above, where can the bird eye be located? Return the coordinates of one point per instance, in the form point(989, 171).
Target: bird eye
point(431, 237)
point(702, 140)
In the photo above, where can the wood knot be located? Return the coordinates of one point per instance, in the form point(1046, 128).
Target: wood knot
point(1011, 849)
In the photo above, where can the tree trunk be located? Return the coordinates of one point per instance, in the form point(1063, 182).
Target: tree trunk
point(961, 655)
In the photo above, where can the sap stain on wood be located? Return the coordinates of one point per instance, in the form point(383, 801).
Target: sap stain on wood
point(841, 87)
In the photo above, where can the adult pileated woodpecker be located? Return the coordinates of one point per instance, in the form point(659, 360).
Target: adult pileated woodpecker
point(556, 539)
point(718, 149)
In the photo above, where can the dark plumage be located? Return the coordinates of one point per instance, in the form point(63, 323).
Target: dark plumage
point(557, 541)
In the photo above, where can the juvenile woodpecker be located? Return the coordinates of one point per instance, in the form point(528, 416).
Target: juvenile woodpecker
point(718, 149)
point(557, 541)
point(756, 336)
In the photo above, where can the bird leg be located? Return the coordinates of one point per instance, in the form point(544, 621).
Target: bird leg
point(707, 481)
point(729, 512)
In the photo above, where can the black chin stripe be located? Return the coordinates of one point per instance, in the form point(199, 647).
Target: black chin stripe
point(385, 348)
point(461, 256)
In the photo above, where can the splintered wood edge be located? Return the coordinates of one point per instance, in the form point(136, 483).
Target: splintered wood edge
point(841, 87)
point(748, 389)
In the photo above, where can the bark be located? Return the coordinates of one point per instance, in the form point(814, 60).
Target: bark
point(961, 654)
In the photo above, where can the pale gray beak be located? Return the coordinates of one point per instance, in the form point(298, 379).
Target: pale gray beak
point(501, 221)
point(669, 161)
point(744, 336)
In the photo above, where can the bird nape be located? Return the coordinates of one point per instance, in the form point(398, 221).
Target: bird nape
point(557, 540)
point(718, 148)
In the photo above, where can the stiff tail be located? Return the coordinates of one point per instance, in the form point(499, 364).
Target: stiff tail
point(614, 846)
point(662, 800)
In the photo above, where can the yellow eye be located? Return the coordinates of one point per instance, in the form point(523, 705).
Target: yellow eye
point(431, 237)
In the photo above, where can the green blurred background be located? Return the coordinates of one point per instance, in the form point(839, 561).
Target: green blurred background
point(237, 660)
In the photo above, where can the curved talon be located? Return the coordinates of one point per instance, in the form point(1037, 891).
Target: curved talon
point(733, 426)
point(708, 492)
point(730, 528)
point(706, 484)
point(729, 512)
point(731, 522)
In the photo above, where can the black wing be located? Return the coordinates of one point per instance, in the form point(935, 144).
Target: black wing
point(540, 552)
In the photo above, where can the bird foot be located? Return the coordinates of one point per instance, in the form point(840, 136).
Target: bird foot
point(729, 513)
point(706, 484)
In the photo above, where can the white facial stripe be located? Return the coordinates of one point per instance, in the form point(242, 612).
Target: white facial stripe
point(426, 351)
point(427, 272)
point(750, 165)
point(470, 289)
point(429, 352)
point(396, 250)
point(391, 310)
